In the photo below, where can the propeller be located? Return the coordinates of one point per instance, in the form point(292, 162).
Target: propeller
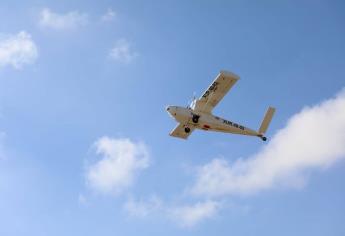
point(191, 103)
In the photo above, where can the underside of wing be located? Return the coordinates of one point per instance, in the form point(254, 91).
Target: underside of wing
point(180, 131)
point(217, 90)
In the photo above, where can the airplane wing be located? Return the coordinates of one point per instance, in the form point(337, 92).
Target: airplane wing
point(179, 132)
point(217, 90)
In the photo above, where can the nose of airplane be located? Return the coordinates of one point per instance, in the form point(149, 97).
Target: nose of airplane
point(170, 109)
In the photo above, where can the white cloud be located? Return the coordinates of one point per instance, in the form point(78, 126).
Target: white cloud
point(17, 50)
point(108, 16)
point(121, 160)
point(122, 52)
point(190, 215)
point(70, 20)
point(143, 208)
point(313, 139)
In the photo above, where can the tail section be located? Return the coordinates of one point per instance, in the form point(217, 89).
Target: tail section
point(266, 121)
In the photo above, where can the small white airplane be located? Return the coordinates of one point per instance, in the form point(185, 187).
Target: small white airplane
point(199, 114)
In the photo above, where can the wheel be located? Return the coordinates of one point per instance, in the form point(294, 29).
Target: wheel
point(195, 118)
point(264, 138)
point(187, 130)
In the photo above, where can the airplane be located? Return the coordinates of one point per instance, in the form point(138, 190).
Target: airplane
point(198, 115)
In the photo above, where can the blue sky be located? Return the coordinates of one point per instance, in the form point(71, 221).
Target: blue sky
point(84, 144)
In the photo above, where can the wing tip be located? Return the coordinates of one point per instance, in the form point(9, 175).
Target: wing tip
point(229, 74)
point(178, 136)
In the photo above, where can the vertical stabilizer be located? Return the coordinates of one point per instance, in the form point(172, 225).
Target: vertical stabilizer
point(266, 121)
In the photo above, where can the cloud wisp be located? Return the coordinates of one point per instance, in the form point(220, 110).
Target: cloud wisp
point(143, 208)
point(122, 52)
point(17, 50)
point(184, 215)
point(121, 160)
point(108, 16)
point(67, 21)
point(188, 216)
point(312, 139)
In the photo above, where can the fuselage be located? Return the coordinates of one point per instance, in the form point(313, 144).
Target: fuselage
point(207, 121)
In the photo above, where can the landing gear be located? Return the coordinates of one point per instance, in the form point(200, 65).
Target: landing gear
point(195, 118)
point(187, 130)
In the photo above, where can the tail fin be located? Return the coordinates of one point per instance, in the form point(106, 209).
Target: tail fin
point(267, 119)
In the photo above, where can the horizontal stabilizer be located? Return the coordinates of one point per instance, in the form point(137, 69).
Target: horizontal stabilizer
point(267, 119)
point(180, 131)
